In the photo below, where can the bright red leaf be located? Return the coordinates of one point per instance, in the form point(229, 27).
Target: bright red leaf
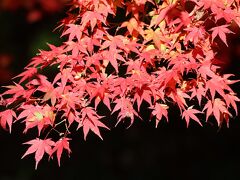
point(39, 147)
point(221, 31)
point(160, 110)
point(190, 114)
point(60, 145)
point(6, 118)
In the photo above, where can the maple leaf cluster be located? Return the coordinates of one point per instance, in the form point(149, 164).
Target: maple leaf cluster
point(121, 54)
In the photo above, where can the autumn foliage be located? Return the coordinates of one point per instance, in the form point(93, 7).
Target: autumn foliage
point(120, 55)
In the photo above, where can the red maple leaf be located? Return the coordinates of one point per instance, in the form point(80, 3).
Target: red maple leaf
point(231, 99)
point(189, 113)
point(162, 15)
point(60, 145)
point(159, 110)
point(126, 110)
point(6, 118)
point(212, 4)
point(221, 31)
point(39, 147)
point(16, 91)
point(100, 90)
point(47, 87)
point(27, 74)
point(195, 34)
point(228, 14)
point(37, 116)
point(92, 18)
point(216, 107)
point(90, 121)
point(73, 31)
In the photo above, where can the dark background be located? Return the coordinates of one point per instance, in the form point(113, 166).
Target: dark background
point(141, 152)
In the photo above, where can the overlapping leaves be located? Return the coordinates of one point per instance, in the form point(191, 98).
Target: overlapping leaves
point(159, 53)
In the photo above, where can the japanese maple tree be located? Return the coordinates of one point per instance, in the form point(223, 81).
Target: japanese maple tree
point(121, 54)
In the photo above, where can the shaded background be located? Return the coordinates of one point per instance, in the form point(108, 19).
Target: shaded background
point(141, 152)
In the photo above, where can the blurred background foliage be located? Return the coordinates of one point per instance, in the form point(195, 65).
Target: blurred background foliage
point(141, 152)
point(26, 26)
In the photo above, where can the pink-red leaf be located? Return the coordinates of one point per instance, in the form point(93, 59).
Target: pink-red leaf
point(6, 118)
point(90, 121)
point(27, 74)
point(218, 108)
point(160, 110)
point(39, 147)
point(221, 31)
point(60, 145)
point(190, 114)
